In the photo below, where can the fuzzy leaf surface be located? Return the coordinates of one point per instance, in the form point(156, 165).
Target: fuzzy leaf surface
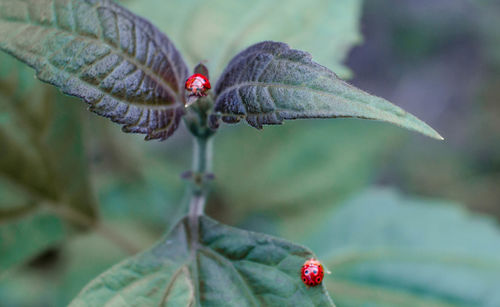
point(269, 82)
point(96, 50)
point(208, 265)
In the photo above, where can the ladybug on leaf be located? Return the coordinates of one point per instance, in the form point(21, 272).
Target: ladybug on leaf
point(312, 272)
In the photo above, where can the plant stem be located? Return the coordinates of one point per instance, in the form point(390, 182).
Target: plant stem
point(198, 192)
point(202, 155)
point(201, 172)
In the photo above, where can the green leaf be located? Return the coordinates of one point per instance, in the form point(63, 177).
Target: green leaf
point(43, 166)
point(319, 176)
point(23, 238)
point(42, 152)
point(98, 51)
point(22, 166)
point(208, 264)
point(57, 280)
point(216, 30)
point(387, 250)
point(157, 186)
point(65, 144)
point(269, 82)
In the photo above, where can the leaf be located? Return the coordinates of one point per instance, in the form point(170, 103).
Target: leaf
point(319, 177)
point(64, 141)
point(24, 167)
point(387, 250)
point(98, 51)
point(208, 264)
point(190, 24)
point(43, 166)
point(62, 275)
point(269, 82)
point(157, 186)
point(22, 239)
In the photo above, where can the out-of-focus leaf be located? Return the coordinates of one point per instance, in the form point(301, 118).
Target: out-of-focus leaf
point(22, 165)
point(23, 237)
point(42, 163)
point(216, 30)
point(152, 198)
point(208, 264)
point(57, 284)
point(48, 164)
point(96, 50)
point(294, 170)
point(64, 144)
point(386, 250)
point(22, 103)
point(269, 82)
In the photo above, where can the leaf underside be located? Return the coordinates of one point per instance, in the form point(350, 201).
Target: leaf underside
point(269, 82)
point(117, 62)
point(214, 265)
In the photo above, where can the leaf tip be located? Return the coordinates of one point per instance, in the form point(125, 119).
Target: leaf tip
point(430, 132)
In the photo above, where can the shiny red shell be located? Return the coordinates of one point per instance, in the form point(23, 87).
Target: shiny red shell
point(198, 84)
point(312, 272)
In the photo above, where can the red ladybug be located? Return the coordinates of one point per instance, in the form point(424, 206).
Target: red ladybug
point(312, 272)
point(198, 84)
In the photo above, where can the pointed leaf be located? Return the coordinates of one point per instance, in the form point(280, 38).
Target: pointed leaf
point(385, 249)
point(96, 50)
point(209, 265)
point(269, 82)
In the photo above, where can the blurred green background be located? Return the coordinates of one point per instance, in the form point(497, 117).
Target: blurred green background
point(399, 219)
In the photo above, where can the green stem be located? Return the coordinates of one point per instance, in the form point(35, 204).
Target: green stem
point(202, 155)
point(198, 192)
point(201, 172)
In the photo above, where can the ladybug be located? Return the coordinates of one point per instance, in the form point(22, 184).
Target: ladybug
point(198, 84)
point(312, 272)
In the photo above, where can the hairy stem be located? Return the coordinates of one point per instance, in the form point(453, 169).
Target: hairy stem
point(201, 173)
point(202, 155)
point(198, 187)
point(198, 192)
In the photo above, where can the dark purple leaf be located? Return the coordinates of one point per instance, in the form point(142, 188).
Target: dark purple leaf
point(269, 82)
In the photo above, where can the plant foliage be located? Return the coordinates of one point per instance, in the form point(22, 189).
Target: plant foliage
point(129, 71)
point(208, 264)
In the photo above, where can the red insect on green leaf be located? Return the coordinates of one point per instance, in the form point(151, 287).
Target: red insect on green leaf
point(312, 272)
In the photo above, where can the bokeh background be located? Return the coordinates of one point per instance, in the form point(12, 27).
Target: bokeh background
point(399, 219)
